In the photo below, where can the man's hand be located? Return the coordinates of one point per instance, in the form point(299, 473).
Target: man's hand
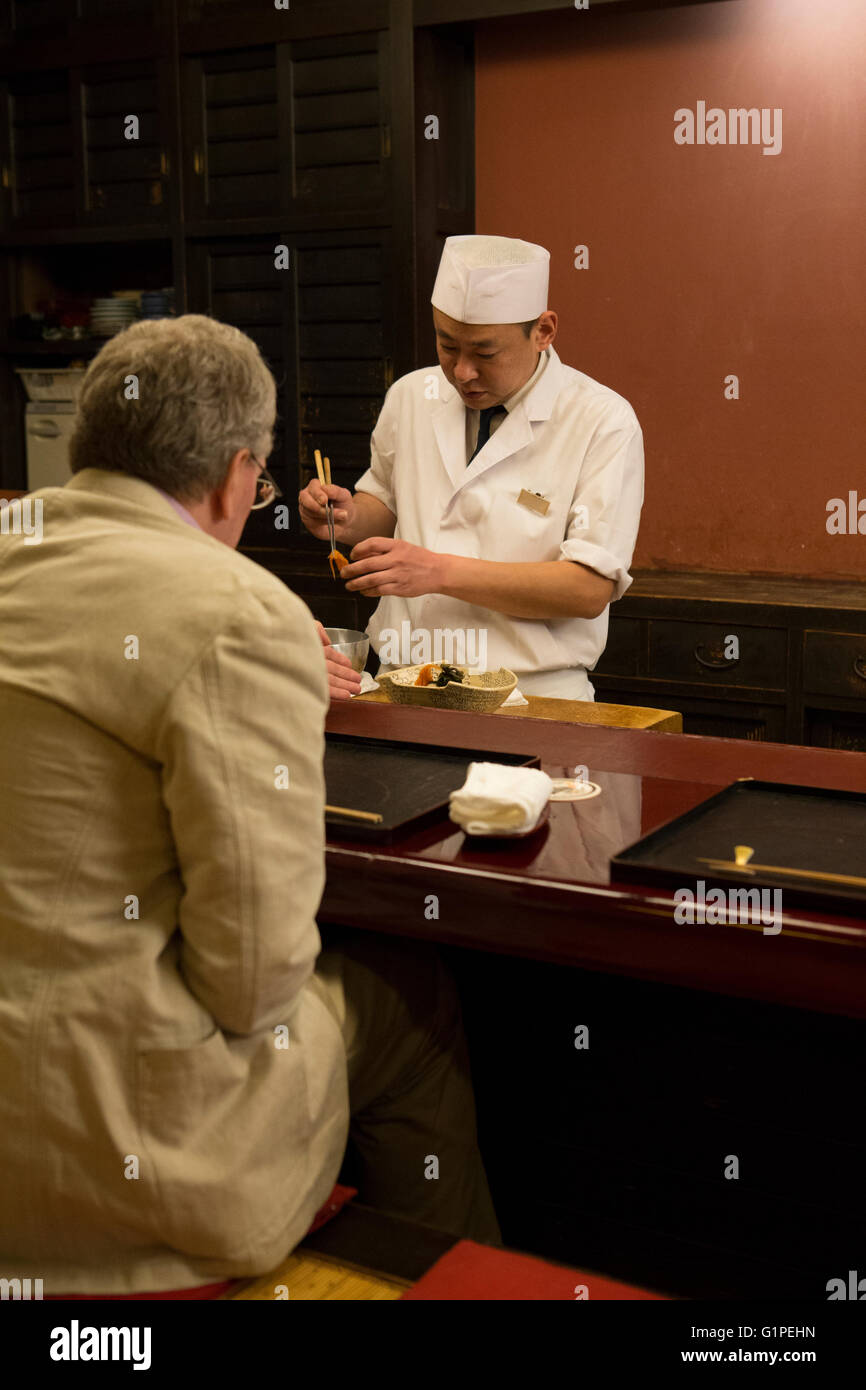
point(383, 565)
point(343, 680)
point(312, 502)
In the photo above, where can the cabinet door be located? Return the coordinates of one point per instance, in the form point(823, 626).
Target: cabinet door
point(232, 134)
point(339, 122)
point(40, 127)
point(26, 19)
point(713, 718)
point(828, 728)
point(193, 11)
point(622, 652)
point(237, 282)
point(760, 723)
point(322, 327)
point(95, 11)
point(291, 129)
point(6, 172)
point(124, 155)
point(343, 349)
point(87, 146)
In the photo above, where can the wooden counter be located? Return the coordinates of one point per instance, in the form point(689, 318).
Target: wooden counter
point(576, 712)
point(550, 897)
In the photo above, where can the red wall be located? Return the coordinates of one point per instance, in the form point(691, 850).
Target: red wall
point(704, 260)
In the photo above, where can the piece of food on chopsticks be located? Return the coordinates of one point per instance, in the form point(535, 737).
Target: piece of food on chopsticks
point(338, 563)
point(336, 560)
point(431, 674)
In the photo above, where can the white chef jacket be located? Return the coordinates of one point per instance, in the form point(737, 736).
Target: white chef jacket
point(576, 442)
point(473, 417)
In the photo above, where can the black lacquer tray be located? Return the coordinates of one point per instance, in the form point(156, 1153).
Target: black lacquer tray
point(408, 784)
point(812, 829)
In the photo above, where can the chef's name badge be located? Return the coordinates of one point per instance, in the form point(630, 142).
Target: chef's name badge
point(534, 501)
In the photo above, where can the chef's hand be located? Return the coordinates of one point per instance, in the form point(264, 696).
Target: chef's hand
point(382, 565)
point(311, 504)
point(343, 679)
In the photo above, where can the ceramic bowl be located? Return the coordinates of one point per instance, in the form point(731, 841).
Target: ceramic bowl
point(479, 693)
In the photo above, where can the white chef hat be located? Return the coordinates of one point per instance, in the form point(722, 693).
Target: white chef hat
point(491, 279)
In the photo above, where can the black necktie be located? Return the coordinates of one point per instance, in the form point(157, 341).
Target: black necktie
point(484, 426)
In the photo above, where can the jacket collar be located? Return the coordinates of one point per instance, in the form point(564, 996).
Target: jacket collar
point(515, 432)
point(123, 487)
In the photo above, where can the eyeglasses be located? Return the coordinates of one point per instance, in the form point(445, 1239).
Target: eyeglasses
point(267, 490)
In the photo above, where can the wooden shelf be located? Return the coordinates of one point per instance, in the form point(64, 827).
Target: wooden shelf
point(710, 587)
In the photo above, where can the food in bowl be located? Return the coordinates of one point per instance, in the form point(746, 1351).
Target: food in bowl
point(431, 674)
point(478, 690)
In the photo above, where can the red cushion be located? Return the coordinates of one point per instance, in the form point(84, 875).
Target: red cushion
point(471, 1271)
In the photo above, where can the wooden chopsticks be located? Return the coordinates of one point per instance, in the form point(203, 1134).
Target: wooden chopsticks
point(323, 468)
point(356, 815)
point(817, 874)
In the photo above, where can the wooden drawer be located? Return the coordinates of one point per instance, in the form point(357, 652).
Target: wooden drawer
point(835, 664)
point(622, 652)
point(832, 729)
point(696, 652)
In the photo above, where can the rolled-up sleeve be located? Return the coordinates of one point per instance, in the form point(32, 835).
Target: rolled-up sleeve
point(605, 510)
point(379, 477)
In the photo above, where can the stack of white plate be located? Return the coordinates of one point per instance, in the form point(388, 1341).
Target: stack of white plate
point(110, 316)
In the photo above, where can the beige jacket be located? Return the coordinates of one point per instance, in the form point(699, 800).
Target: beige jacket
point(162, 705)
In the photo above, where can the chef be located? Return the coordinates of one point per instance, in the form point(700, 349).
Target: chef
point(502, 500)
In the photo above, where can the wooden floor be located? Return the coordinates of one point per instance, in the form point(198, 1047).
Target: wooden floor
point(305, 1277)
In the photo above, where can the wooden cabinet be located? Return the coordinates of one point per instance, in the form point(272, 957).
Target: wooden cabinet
point(39, 138)
point(727, 653)
point(23, 19)
point(194, 11)
point(255, 131)
point(725, 717)
point(742, 657)
point(340, 130)
point(125, 164)
point(322, 325)
point(287, 128)
point(46, 21)
point(231, 120)
point(86, 147)
point(237, 281)
point(97, 11)
point(835, 664)
point(835, 729)
point(343, 337)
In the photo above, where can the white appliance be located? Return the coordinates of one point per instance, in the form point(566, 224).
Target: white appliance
point(48, 425)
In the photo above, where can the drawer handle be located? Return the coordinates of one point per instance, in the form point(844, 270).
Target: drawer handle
point(859, 665)
point(716, 660)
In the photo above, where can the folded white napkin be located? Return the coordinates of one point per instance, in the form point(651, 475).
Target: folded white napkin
point(496, 799)
point(515, 698)
point(367, 683)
